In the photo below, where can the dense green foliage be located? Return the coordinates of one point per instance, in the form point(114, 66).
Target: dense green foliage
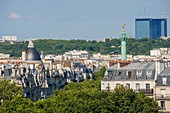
point(85, 97)
point(8, 90)
point(49, 46)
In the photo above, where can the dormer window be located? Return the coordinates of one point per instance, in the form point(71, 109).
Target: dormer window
point(15, 72)
point(148, 74)
point(138, 74)
point(119, 74)
point(109, 74)
point(164, 81)
point(129, 74)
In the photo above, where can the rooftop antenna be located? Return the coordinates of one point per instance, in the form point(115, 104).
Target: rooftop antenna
point(139, 14)
point(144, 10)
point(162, 14)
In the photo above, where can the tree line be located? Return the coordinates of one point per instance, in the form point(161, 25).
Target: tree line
point(50, 46)
point(83, 97)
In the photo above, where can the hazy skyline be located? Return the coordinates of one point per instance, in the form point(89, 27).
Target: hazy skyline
point(76, 19)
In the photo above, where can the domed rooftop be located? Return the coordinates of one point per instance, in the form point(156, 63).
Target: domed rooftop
point(31, 53)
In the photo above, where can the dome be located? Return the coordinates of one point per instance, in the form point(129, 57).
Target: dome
point(31, 53)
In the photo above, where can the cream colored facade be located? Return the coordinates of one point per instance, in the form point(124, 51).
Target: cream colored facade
point(151, 78)
point(9, 38)
point(113, 84)
point(162, 96)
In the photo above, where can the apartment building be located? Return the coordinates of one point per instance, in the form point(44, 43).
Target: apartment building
point(151, 78)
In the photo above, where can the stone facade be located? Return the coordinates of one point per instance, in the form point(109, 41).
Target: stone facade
point(152, 78)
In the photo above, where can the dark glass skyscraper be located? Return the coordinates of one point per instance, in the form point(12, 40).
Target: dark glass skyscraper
point(150, 27)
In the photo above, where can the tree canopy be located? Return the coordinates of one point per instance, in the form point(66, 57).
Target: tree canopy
point(49, 46)
point(8, 90)
point(85, 97)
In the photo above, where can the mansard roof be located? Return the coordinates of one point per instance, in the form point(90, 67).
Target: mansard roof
point(164, 74)
point(133, 71)
point(136, 66)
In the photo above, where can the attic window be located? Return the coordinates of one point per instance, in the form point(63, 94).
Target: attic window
point(109, 74)
point(164, 81)
point(119, 74)
point(148, 74)
point(129, 74)
point(138, 74)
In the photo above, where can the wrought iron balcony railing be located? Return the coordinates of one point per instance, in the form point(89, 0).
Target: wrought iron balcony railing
point(148, 92)
point(162, 97)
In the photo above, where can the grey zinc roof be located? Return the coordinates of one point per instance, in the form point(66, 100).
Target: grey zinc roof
point(135, 66)
point(122, 73)
point(32, 53)
point(112, 67)
point(139, 66)
point(164, 74)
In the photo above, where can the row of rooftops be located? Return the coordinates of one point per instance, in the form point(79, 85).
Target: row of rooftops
point(143, 71)
point(135, 66)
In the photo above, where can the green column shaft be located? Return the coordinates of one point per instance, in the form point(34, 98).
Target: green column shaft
point(123, 50)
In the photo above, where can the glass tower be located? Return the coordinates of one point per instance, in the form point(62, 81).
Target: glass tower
point(150, 27)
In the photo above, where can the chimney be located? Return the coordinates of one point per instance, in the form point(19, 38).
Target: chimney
point(157, 68)
point(23, 55)
point(118, 65)
point(42, 54)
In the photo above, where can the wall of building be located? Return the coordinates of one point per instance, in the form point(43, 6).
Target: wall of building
point(167, 106)
point(163, 97)
point(9, 38)
point(112, 84)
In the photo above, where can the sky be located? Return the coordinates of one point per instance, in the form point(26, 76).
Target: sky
point(76, 19)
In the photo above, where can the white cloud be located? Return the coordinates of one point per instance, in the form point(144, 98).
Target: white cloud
point(14, 16)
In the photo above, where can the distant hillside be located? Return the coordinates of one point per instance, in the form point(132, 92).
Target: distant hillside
point(49, 46)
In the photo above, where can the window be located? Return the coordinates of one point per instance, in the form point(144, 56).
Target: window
point(24, 70)
point(137, 87)
point(15, 72)
point(108, 87)
point(138, 74)
point(129, 73)
point(128, 85)
point(164, 81)
point(148, 74)
point(117, 85)
point(147, 87)
point(109, 74)
point(31, 66)
point(163, 93)
point(119, 74)
point(163, 105)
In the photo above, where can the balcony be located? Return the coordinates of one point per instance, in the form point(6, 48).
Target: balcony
point(163, 108)
point(147, 92)
point(162, 97)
